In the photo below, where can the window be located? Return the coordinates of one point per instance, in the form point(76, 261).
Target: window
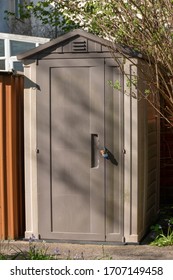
point(11, 45)
point(2, 64)
point(18, 66)
point(17, 47)
point(2, 52)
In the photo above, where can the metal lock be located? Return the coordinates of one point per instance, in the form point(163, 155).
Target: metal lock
point(104, 153)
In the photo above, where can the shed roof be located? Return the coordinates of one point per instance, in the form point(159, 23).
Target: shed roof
point(72, 35)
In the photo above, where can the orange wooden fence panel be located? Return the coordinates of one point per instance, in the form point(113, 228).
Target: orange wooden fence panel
point(11, 156)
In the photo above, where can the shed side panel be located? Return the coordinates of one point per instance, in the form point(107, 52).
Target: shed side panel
point(148, 152)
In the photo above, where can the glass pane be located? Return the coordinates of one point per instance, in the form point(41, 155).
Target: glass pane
point(18, 66)
point(17, 47)
point(2, 48)
point(17, 3)
point(2, 64)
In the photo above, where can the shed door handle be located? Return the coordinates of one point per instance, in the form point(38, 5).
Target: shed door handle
point(94, 150)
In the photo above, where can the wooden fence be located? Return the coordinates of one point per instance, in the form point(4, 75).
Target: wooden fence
point(11, 156)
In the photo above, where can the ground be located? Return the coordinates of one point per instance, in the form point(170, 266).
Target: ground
point(94, 251)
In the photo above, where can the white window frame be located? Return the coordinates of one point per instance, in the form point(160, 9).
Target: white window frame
point(3, 57)
point(9, 60)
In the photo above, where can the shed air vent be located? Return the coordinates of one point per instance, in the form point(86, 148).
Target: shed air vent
point(79, 46)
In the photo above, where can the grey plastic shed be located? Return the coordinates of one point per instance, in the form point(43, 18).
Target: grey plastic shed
point(73, 190)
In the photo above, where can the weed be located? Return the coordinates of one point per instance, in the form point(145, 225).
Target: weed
point(37, 250)
point(104, 255)
point(36, 253)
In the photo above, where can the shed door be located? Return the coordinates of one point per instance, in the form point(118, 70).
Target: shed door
point(71, 130)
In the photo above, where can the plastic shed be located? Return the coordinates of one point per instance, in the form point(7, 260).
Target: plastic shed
point(91, 151)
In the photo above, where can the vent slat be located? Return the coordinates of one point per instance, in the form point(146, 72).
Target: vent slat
point(79, 46)
point(78, 43)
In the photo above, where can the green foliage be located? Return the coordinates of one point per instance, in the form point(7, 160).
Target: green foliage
point(164, 237)
point(3, 257)
point(144, 26)
point(138, 24)
point(115, 85)
point(46, 13)
point(147, 91)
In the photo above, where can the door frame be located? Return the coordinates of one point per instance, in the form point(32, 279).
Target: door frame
point(31, 148)
point(44, 156)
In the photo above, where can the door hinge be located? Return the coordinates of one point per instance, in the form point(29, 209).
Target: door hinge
point(37, 151)
point(124, 151)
